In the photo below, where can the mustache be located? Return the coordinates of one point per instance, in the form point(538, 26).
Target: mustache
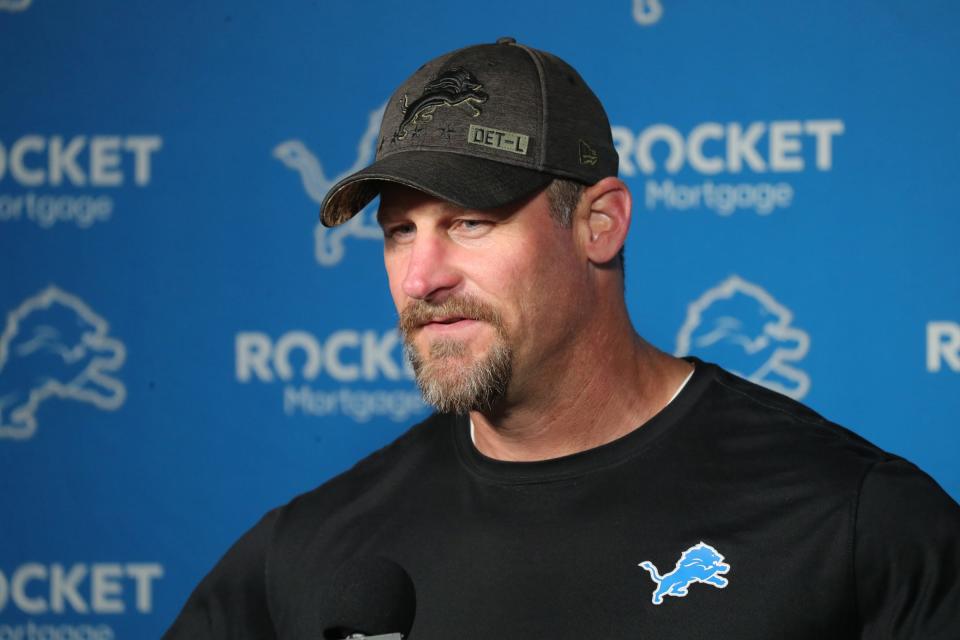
point(420, 312)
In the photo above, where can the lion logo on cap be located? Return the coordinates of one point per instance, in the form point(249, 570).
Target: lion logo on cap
point(451, 88)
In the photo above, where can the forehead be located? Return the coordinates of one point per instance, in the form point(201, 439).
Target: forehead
point(397, 200)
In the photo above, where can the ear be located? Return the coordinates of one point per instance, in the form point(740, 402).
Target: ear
point(605, 219)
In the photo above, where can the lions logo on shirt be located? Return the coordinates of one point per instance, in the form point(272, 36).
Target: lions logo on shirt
point(699, 563)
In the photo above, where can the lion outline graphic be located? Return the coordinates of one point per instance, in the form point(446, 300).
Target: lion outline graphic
point(328, 246)
point(55, 346)
point(744, 328)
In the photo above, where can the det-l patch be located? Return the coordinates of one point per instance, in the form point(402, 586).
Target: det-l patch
point(498, 139)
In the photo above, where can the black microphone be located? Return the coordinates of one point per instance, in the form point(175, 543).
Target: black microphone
point(370, 598)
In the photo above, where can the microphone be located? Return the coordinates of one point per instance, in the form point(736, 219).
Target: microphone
point(371, 598)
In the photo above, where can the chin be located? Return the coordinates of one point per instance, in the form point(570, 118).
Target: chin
point(454, 378)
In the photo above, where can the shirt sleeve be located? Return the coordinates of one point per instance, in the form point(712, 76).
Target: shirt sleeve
point(231, 601)
point(907, 556)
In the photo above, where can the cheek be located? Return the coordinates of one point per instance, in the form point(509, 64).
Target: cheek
point(533, 293)
point(550, 293)
point(394, 273)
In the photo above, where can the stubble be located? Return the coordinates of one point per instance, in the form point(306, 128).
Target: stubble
point(450, 378)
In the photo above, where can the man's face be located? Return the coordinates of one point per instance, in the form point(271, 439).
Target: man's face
point(487, 299)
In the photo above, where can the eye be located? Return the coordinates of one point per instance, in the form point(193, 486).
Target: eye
point(399, 232)
point(472, 227)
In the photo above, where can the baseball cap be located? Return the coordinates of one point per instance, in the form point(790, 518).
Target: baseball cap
point(482, 127)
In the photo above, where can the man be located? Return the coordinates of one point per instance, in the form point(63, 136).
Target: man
point(576, 482)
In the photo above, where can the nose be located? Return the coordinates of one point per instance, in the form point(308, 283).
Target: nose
point(429, 274)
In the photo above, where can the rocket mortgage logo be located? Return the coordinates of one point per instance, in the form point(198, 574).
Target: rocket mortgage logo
point(725, 167)
point(60, 601)
point(357, 374)
point(71, 180)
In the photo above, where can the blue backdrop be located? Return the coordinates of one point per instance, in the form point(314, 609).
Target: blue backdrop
point(183, 348)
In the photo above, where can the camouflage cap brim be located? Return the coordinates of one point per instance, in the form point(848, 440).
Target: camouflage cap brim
point(466, 181)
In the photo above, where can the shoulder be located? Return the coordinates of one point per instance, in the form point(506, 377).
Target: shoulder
point(899, 527)
point(777, 437)
point(778, 433)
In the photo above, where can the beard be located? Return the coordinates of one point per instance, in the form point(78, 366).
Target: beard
point(450, 379)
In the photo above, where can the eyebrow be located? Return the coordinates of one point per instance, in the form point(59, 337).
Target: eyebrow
point(384, 216)
point(389, 213)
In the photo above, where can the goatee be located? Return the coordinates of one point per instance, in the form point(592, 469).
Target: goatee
point(449, 378)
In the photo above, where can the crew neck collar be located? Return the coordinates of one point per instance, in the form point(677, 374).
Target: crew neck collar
point(580, 463)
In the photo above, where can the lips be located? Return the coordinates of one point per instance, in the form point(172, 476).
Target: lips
point(449, 320)
point(448, 324)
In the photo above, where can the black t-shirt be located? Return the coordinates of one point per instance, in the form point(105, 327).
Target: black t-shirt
point(734, 513)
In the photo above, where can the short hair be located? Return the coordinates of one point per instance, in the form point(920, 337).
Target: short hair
point(564, 196)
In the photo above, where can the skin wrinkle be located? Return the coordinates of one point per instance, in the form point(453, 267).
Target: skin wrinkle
point(581, 376)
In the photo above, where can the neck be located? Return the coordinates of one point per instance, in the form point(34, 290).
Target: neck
point(611, 383)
